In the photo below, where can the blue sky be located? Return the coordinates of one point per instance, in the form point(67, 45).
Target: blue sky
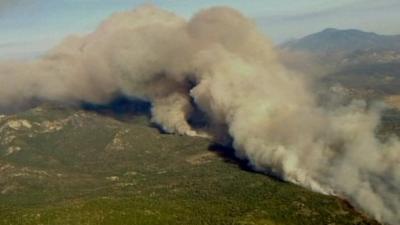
point(30, 27)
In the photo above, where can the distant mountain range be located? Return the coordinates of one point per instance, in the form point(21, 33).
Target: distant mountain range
point(344, 41)
point(365, 62)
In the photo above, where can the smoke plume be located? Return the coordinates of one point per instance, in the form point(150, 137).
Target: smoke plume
point(219, 62)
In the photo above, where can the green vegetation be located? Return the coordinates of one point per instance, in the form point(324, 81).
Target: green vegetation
point(63, 166)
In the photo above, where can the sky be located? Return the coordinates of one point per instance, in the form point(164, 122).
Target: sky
point(30, 27)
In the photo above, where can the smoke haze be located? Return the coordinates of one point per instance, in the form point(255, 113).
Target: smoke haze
point(219, 61)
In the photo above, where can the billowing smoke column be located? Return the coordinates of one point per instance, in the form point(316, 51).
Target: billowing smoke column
point(221, 62)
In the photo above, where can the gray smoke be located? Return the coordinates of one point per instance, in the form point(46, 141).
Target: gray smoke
point(221, 62)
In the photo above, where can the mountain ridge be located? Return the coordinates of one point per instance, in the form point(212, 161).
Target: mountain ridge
point(348, 40)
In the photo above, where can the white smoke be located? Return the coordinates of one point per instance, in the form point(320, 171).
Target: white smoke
point(232, 73)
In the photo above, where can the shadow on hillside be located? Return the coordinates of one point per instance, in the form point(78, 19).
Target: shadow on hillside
point(124, 108)
point(121, 108)
point(227, 153)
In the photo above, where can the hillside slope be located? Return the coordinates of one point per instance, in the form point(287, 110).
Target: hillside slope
point(64, 166)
